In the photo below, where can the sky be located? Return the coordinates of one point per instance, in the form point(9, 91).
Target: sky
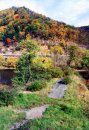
point(73, 12)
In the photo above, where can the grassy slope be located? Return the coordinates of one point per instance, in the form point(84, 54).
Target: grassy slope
point(8, 117)
point(7, 114)
point(63, 114)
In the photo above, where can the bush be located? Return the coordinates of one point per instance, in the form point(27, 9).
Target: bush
point(68, 71)
point(40, 73)
point(67, 80)
point(85, 60)
point(46, 74)
point(22, 73)
point(2, 61)
point(11, 62)
point(7, 97)
point(37, 85)
point(56, 73)
point(42, 62)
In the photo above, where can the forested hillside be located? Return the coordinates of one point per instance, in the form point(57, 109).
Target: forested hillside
point(84, 35)
point(21, 23)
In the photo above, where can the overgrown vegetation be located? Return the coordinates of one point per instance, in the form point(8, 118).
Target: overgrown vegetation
point(10, 62)
point(21, 23)
point(68, 113)
point(7, 97)
point(22, 71)
point(37, 85)
point(61, 112)
point(8, 117)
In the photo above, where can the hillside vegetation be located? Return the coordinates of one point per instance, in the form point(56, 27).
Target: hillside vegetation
point(21, 23)
point(84, 35)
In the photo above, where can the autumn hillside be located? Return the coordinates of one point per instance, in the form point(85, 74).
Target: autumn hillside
point(21, 23)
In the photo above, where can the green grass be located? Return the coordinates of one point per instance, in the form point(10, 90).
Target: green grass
point(8, 117)
point(35, 98)
point(30, 100)
point(61, 114)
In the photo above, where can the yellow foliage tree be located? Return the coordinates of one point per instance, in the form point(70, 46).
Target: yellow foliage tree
point(62, 43)
point(2, 61)
point(11, 62)
point(28, 37)
point(2, 29)
point(43, 62)
point(57, 50)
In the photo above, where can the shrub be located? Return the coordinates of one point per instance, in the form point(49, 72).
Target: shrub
point(56, 73)
point(7, 97)
point(22, 73)
point(40, 73)
point(42, 62)
point(37, 85)
point(85, 59)
point(68, 71)
point(11, 62)
point(67, 80)
point(2, 61)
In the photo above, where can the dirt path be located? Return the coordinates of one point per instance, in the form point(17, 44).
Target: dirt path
point(58, 90)
point(33, 113)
